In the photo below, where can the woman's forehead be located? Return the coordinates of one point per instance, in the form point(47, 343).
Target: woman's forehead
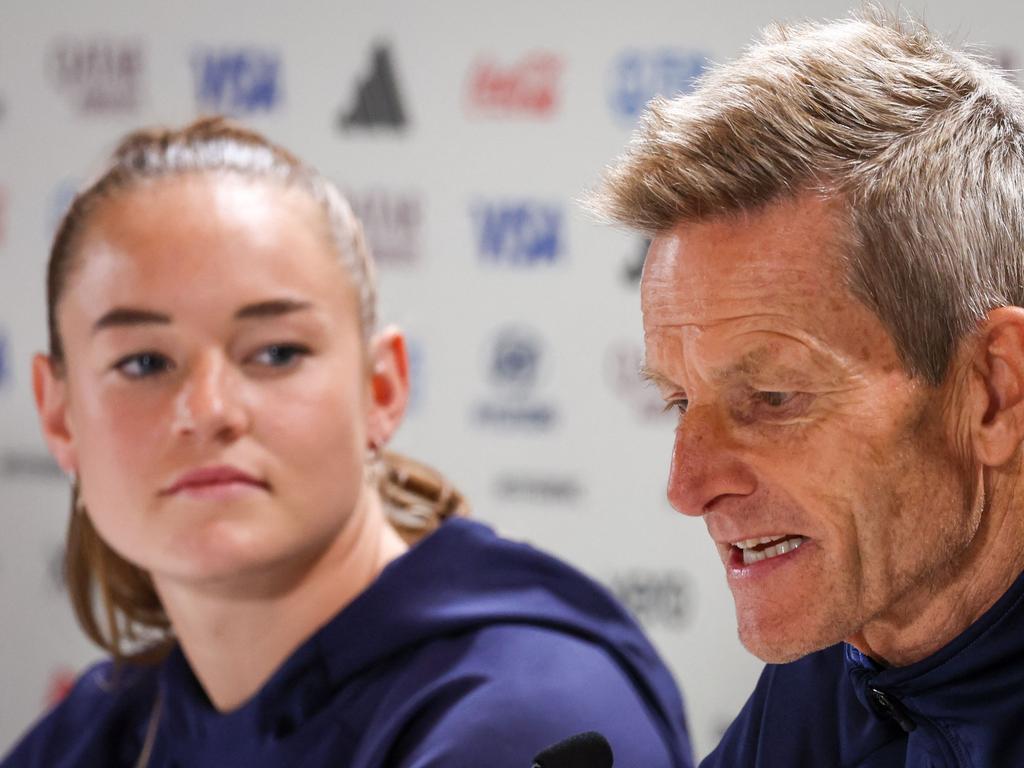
point(207, 234)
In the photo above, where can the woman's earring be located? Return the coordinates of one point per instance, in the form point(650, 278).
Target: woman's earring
point(372, 452)
point(76, 493)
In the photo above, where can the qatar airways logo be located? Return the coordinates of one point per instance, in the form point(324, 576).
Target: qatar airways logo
point(97, 75)
point(530, 87)
point(637, 76)
point(392, 221)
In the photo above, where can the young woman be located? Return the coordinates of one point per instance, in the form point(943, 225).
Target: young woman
point(218, 392)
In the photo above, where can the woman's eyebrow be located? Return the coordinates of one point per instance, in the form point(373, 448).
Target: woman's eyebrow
point(119, 317)
point(272, 308)
point(122, 316)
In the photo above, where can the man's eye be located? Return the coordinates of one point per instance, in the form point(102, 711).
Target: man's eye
point(142, 364)
point(775, 399)
point(680, 405)
point(280, 355)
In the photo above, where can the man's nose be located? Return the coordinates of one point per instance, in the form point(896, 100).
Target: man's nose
point(210, 403)
point(706, 464)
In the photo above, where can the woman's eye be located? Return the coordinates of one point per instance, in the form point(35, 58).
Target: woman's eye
point(280, 355)
point(142, 364)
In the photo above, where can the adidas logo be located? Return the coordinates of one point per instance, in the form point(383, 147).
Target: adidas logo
point(377, 103)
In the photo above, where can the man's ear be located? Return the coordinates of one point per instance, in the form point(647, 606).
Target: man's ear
point(51, 393)
point(389, 386)
point(996, 388)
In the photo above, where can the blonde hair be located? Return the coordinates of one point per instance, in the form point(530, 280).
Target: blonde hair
point(922, 144)
point(128, 619)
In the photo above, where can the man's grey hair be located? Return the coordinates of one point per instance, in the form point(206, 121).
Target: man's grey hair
point(922, 144)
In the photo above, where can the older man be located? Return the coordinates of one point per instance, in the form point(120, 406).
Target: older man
point(832, 302)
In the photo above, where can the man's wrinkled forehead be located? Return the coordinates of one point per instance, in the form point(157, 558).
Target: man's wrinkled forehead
point(784, 259)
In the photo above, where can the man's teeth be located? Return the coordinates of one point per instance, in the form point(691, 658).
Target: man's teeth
point(784, 544)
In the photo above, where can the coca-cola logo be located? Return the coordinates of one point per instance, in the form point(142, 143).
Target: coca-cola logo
point(529, 87)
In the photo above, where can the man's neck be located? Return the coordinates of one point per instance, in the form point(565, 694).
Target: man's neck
point(933, 614)
point(236, 636)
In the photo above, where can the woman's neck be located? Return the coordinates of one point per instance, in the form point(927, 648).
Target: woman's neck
point(236, 636)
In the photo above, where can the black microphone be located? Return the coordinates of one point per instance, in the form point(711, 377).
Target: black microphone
point(584, 750)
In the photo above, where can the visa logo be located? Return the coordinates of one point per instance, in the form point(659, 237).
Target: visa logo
point(239, 81)
point(520, 234)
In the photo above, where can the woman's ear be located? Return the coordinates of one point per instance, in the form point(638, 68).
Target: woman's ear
point(51, 393)
point(389, 386)
point(996, 387)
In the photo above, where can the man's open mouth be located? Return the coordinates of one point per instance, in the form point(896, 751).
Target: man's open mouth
point(754, 550)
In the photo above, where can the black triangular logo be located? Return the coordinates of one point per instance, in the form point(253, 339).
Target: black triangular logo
point(377, 103)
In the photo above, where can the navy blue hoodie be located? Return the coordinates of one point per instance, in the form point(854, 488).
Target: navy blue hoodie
point(469, 650)
point(962, 707)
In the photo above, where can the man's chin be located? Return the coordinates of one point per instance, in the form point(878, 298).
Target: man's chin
point(780, 645)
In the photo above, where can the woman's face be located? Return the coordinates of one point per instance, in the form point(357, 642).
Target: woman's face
point(217, 401)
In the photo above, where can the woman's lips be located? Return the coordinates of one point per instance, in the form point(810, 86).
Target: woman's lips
point(215, 480)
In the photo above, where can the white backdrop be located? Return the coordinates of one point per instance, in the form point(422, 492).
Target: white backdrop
point(464, 131)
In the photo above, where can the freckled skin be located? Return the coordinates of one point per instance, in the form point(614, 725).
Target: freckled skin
point(862, 460)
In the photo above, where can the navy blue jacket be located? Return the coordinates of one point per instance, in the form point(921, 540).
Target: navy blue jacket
point(962, 707)
point(469, 650)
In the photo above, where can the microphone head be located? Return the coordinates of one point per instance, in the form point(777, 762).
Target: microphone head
point(584, 750)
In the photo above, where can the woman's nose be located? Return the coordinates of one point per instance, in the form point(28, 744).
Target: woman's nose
point(209, 404)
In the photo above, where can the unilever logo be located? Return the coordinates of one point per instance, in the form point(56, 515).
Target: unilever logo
point(521, 234)
point(638, 76)
point(515, 364)
point(237, 81)
point(515, 360)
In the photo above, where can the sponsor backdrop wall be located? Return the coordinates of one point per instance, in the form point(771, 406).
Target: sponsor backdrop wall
point(463, 132)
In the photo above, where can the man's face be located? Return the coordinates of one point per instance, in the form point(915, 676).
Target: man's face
point(826, 476)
